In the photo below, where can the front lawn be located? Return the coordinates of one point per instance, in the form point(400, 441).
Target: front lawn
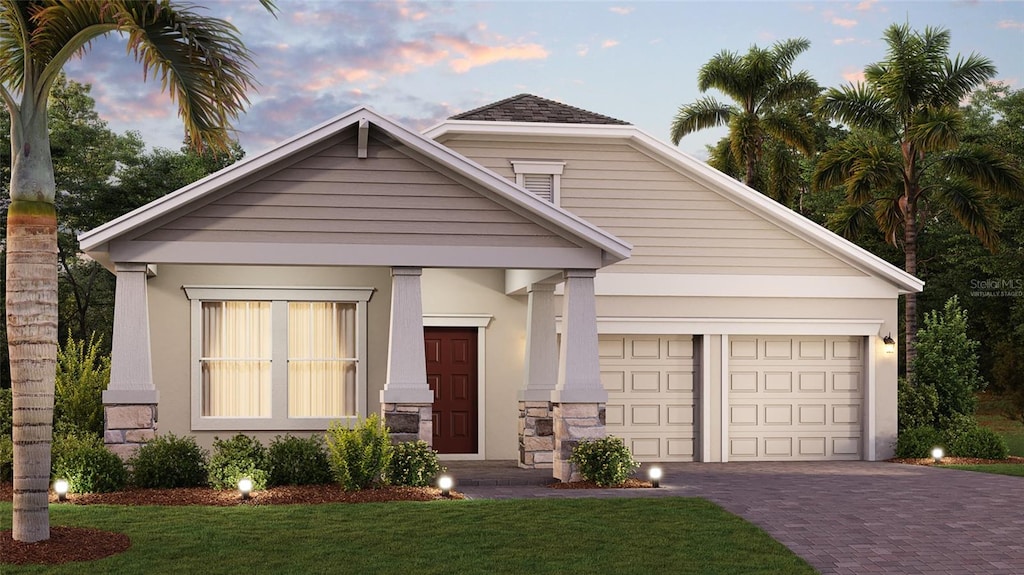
point(656, 535)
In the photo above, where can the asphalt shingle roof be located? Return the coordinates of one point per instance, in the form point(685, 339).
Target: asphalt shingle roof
point(530, 108)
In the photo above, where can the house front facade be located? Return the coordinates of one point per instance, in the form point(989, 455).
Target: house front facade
point(518, 278)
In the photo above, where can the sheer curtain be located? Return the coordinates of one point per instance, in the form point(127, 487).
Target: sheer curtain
point(321, 359)
point(236, 359)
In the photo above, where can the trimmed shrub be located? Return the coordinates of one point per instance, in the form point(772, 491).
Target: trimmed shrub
point(169, 461)
point(87, 465)
point(6, 459)
point(6, 412)
point(965, 438)
point(604, 461)
point(947, 359)
point(918, 405)
point(236, 458)
point(413, 463)
point(359, 455)
point(298, 461)
point(82, 375)
point(918, 442)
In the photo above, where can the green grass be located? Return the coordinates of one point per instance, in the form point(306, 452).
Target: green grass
point(990, 414)
point(658, 535)
point(1015, 469)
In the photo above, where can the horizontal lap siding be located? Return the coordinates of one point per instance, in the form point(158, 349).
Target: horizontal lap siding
point(675, 224)
point(332, 197)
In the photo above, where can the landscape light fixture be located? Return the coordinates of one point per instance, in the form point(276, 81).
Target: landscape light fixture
point(890, 343)
point(61, 487)
point(444, 483)
point(245, 487)
point(937, 454)
point(654, 474)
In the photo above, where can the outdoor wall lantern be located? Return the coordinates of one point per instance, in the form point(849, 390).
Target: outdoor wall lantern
point(654, 474)
point(245, 487)
point(61, 487)
point(890, 343)
point(444, 483)
point(937, 454)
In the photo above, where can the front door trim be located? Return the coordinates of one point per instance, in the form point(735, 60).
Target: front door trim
point(480, 322)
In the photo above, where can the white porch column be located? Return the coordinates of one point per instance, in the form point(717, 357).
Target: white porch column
point(578, 401)
point(536, 432)
point(130, 401)
point(406, 400)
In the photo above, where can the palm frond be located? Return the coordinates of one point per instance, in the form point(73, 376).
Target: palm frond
point(985, 167)
point(889, 217)
point(851, 221)
point(200, 60)
point(792, 130)
point(15, 36)
point(704, 113)
point(784, 176)
point(971, 206)
point(723, 72)
point(785, 52)
point(790, 88)
point(858, 106)
point(960, 77)
point(936, 129)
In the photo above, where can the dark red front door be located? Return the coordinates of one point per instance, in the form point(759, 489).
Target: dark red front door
point(451, 374)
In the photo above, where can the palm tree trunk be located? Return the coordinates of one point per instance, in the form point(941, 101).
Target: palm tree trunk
point(910, 299)
point(31, 315)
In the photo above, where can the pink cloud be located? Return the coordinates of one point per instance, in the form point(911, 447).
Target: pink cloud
point(841, 41)
point(865, 5)
point(854, 76)
point(621, 10)
point(1010, 25)
point(582, 50)
point(843, 22)
point(474, 55)
point(609, 43)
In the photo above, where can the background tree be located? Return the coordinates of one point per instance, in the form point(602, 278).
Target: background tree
point(906, 156)
point(203, 63)
point(762, 125)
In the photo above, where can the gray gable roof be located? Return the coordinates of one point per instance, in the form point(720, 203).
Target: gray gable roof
point(530, 108)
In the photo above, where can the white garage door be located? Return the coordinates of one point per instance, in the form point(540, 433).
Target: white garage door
point(650, 383)
point(795, 397)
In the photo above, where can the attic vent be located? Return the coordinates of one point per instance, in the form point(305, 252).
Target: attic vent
point(542, 177)
point(541, 184)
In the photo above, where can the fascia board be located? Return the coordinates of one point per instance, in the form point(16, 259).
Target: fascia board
point(737, 191)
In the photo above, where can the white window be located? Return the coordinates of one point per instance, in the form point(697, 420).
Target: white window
point(277, 358)
point(542, 177)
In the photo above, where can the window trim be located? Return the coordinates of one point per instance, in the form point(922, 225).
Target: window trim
point(279, 298)
point(553, 168)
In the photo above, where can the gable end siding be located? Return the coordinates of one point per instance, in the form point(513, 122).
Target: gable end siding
point(676, 225)
point(332, 197)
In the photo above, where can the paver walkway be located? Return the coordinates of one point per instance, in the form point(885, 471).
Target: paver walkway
point(842, 517)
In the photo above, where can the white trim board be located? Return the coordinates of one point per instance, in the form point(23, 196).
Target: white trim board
point(480, 322)
point(735, 326)
point(720, 285)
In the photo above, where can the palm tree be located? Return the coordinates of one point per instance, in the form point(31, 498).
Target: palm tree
point(203, 63)
point(762, 87)
point(905, 153)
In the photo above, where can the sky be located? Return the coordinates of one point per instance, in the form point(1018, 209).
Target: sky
point(421, 62)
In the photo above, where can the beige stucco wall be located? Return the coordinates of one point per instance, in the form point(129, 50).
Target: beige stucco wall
point(170, 331)
point(481, 291)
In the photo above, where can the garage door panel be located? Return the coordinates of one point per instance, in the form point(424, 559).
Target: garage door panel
point(651, 395)
point(808, 405)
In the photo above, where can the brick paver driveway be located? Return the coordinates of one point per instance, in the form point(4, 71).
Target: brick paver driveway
point(857, 517)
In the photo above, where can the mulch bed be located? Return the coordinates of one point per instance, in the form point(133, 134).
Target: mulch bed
point(67, 544)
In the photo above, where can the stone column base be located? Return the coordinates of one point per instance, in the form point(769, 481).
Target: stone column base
point(536, 435)
point(573, 422)
point(409, 421)
point(128, 426)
